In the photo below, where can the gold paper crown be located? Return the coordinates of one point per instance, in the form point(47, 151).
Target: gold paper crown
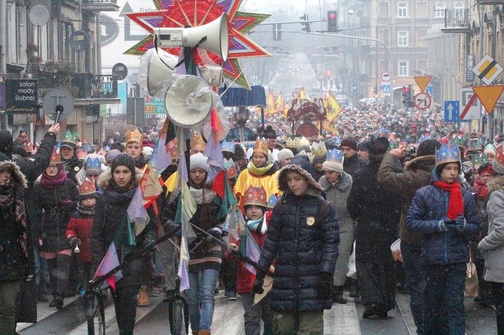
point(55, 157)
point(319, 149)
point(303, 141)
point(310, 155)
point(87, 187)
point(198, 144)
point(292, 142)
point(134, 136)
point(261, 146)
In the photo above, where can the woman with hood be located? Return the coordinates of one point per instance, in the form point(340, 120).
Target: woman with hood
point(445, 213)
point(111, 224)
point(16, 250)
point(303, 238)
point(337, 185)
point(492, 245)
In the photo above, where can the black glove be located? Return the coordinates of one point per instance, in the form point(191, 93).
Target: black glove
point(324, 286)
point(258, 283)
point(74, 241)
point(460, 223)
point(215, 233)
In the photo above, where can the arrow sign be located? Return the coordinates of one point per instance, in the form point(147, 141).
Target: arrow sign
point(488, 95)
point(451, 109)
point(422, 82)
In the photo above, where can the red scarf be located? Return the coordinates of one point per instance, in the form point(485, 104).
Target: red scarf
point(456, 201)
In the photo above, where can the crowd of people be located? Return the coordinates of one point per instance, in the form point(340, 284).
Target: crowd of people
point(307, 205)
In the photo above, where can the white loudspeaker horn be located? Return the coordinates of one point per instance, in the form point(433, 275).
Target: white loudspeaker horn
point(156, 70)
point(188, 101)
point(216, 33)
point(211, 74)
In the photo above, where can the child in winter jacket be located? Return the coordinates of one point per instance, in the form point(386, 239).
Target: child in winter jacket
point(446, 214)
point(257, 217)
point(79, 227)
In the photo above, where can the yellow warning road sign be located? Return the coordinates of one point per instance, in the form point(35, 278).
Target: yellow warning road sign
point(488, 95)
point(422, 82)
point(487, 69)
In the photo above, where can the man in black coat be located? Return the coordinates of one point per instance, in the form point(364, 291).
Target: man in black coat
point(31, 169)
point(377, 213)
point(352, 162)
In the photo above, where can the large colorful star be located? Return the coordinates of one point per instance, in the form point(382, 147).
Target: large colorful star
point(182, 13)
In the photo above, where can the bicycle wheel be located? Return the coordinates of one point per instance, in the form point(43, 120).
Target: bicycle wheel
point(95, 314)
point(178, 317)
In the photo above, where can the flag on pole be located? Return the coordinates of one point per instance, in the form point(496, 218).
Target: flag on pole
point(270, 104)
point(161, 156)
point(249, 249)
point(110, 261)
point(302, 94)
point(333, 108)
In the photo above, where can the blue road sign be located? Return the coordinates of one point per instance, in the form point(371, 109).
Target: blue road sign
point(451, 111)
point(386, 88)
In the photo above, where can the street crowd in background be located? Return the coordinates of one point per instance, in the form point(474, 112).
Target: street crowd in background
point(322, 209)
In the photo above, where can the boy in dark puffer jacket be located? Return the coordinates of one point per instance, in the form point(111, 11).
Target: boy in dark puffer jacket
point(446, 215)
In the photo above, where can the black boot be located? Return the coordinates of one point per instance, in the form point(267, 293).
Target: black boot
point(337, 295)
point(57, 302)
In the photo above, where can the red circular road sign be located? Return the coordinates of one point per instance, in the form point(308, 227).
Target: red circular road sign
point(385, 76)
point(422, 100)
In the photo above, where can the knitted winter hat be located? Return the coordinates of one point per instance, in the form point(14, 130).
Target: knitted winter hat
point(199, 161)
point(284, 154)
point(124, 160)
point(334, 161)
point(109, 157)
point(349, 142)
point(428, 147)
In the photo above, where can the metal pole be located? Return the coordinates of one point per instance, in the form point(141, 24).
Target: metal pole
point(3, 51)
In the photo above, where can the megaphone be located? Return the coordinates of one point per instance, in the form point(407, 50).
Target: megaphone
point(212, 36)
point(155, 73)
point(188, 101)
point(211, 74)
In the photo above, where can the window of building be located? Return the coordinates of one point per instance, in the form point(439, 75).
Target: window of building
point(402, 38)
point(402, 9)
point(383, 9)
point(439, 10)
point(402, 69)
point(459, 8)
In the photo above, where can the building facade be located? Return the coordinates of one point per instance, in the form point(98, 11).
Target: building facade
point(57, 42)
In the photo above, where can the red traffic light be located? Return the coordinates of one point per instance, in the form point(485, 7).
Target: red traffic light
point(332, 15)
point(406, 89)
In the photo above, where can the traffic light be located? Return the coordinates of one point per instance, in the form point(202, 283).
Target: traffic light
point(277, 32)
point(305, 24)
point(407, 96)
point(332, 21)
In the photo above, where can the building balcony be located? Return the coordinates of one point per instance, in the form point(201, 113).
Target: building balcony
point(100, 5)
point(457, 21)
point(490, 2)
point(90, 86)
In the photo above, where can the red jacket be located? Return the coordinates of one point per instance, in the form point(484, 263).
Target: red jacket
point(246, 279)
point(80, 226)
